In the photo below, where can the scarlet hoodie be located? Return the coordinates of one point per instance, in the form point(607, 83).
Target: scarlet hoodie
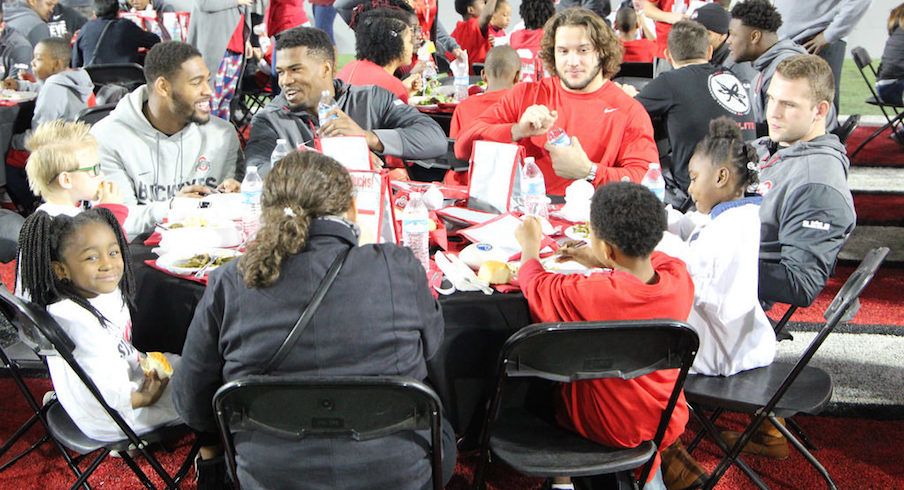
point(150, 167)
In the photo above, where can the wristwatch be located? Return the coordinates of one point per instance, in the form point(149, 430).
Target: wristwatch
point(592, 174)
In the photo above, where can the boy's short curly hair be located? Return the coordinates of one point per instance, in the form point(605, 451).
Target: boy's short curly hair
point(535, 13)
point(461, 6)
point(758, 14)
point(629, 216)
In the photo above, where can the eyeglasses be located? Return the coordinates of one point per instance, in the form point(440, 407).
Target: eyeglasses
point(93, 171)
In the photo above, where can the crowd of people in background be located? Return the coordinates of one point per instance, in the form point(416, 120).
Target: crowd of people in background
point(746, 94)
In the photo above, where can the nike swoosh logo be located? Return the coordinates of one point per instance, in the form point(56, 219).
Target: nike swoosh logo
point(607, 111)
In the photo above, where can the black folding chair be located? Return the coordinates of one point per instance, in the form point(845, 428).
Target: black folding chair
point(865, 63)
point(635, 74)
point(568, 352)
point(91, 115)
point(42, 331)
point(129, 75)
point(844, 131)
point(19, 361)
point(781, 389)
point(359, 408)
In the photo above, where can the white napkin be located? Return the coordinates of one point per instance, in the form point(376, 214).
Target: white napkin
point(461, 276)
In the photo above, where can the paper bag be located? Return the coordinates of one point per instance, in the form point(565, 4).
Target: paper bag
point(351, 151)
point(495, 184)
point(376, 217)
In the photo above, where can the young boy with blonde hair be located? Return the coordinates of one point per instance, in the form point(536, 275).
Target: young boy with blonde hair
point(64, 170)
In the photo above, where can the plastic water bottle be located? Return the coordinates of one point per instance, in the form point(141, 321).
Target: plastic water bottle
point(415, 228)
point(558, 137)
point(653, 180)
point(326, 104)
point(252, 188)
point(430, 72)
point(533, 190)
point(282, 149)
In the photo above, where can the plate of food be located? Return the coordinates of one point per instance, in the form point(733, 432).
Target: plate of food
point(191, 263)
point(579, 231)
point(195, 232)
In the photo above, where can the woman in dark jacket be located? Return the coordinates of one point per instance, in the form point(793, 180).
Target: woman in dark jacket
point(378, 318)
point(109, 39)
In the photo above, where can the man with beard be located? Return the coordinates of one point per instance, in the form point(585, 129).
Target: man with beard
point(611, 133)
point(305, 62)
point(160, 142)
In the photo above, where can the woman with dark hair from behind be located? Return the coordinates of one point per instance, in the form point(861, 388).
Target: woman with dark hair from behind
point(109, 39)
point(384, 41)
point(377, 318)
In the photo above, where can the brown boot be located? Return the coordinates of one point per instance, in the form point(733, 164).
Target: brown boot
point(680, 470)
point(767, 442)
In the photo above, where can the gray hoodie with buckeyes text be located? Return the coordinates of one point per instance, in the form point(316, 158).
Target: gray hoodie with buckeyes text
point(150, 167)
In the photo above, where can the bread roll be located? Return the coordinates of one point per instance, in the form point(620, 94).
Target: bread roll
point(156, 361)
point(494, 272)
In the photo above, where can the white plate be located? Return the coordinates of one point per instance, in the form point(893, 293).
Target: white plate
point(214, 235)
point(574, 234)
point(171, 261)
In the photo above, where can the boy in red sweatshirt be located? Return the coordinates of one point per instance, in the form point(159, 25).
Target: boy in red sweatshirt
point(501, 72)
point(471, 32)
point(626, 223)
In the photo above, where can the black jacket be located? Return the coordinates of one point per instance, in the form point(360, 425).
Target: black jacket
point(120, 43)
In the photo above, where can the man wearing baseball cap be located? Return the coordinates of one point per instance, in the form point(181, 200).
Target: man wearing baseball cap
point(715, 19)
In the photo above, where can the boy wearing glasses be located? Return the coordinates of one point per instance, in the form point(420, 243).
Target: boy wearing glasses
point(63, 169)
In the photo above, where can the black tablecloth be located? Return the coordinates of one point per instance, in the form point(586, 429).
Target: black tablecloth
point(476, 326)
point(13, 119)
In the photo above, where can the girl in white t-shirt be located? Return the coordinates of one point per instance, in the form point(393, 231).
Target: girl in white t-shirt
point(720, 245)
point(77, 267)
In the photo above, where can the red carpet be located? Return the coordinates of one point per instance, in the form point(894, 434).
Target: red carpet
point(879, 209)
point(880, 304)
point(880, 152)
point(857, 453)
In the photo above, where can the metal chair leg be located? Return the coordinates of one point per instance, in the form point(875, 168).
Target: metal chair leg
point(898, 119)
point(717, 438)
point(800, 447)
point(699, 437)
point(800, 434)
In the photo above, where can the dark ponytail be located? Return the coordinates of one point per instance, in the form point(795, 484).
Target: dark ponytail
point(302, 187)
point(724, 145)
point(41, 242)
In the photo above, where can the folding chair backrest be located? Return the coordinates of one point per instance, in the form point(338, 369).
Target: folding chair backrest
point(91, 115)
point(359, 408)
point(842, 309)
point(573, 351)
point(862, 59)
point(126, 75)
point(38, 329)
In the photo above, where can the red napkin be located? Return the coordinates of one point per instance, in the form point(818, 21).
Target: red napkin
point(190, 277)
point(153, 240)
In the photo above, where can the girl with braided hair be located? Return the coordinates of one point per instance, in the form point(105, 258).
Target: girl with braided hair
point(77, 267)
point(722, 255)
point(377, 318)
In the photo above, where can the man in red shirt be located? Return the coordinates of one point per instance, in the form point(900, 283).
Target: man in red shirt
point(611, 133)
point(626, 223)
point(471, 32)
point(501, 73)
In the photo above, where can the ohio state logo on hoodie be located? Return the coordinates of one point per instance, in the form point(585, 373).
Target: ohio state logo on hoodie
point(203, 165)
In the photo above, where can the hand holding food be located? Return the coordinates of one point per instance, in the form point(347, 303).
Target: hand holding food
point(109, 193)
point(156, 362)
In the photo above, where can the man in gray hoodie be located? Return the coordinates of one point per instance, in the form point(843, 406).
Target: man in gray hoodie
point(15, 50)
point(752, 37)
point(30, 18)
point(807, 210)
point(160, 142)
